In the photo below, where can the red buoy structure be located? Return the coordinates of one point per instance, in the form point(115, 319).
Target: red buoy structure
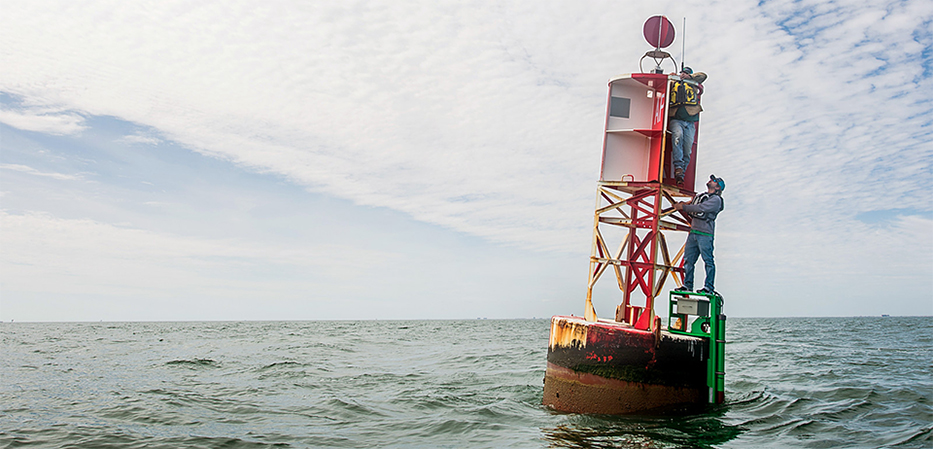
point(631, 363)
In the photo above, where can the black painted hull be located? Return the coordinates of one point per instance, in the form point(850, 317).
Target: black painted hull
point(613, 368)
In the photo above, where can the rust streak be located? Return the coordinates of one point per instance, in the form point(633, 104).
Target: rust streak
point(567, 333)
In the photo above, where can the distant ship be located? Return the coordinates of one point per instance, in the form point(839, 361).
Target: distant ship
point(632, 363)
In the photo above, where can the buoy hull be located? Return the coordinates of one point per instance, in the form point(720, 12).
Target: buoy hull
point(612, 368)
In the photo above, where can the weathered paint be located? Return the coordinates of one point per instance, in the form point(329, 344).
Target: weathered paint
point(568, 333)
point(609, 367)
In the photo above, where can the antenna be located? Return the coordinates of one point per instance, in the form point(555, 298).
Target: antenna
point(683, 46)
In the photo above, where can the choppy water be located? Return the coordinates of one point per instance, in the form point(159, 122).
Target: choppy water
point(838, 382)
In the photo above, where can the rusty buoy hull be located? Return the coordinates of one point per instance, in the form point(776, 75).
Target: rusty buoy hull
point(612, 368)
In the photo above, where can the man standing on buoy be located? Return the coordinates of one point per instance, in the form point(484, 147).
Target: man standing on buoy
point(703, 209)
point(684, 113)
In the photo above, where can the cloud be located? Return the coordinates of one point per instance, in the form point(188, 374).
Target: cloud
point(32, 171)
point(142, 139)
point(74, 256)
point(410, 115)
point(43, 120)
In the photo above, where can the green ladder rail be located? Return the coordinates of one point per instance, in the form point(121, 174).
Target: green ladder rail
point(702, 313)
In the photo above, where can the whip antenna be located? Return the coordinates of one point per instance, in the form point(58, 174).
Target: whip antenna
point(683, 46)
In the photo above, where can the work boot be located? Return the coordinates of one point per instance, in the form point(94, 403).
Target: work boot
point(679, 175)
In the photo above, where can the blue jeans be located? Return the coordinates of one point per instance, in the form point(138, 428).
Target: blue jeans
point(697, 245)
point(682, 134)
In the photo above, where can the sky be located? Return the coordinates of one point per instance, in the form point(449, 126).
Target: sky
point(283, 160)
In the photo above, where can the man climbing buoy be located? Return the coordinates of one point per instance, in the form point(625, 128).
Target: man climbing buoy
point(684, 112)
point(704, 209)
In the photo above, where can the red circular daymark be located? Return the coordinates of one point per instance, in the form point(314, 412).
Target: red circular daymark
point(659, 31)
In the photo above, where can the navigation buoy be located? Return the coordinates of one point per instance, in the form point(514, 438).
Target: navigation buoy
point(630, 362)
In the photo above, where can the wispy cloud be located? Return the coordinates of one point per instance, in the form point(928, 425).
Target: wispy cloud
point(142, 139)
point(32, 171)
point(43, 121)
point(80, 255)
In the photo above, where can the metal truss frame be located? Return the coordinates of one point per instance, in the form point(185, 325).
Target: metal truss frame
point(637, 215)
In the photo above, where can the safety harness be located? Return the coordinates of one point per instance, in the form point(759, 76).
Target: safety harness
point(700, 199)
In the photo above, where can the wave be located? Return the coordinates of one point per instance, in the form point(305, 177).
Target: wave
point(195, 363)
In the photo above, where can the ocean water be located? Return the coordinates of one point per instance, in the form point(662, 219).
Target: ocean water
point(790, 382)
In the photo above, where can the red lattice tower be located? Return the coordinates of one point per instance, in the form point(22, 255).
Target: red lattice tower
point(634, 216)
